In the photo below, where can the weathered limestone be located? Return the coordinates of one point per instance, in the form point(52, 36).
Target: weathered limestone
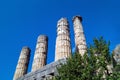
point(44, 73)
point(40, 53)
point(79, 35)
point(117, 54)
point(23, 62)
point(63, 46)
point(41, 71)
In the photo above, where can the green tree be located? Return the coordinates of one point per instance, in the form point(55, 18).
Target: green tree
point(93, 65)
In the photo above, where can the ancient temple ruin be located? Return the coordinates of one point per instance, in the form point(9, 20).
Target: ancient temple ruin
point(41, 71)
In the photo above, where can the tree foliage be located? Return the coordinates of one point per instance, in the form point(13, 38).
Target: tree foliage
point(95, 64)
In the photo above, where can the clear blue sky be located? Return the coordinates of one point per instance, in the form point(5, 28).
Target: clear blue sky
point(22, 21)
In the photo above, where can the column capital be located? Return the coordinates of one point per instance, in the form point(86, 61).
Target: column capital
point(77, 16)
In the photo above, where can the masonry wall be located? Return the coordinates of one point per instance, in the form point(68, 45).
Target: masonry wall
point(41, 71)
point(44, 73)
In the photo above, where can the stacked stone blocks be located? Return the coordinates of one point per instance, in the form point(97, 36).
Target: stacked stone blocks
point(40, 53)
point(23, 62)
point(63, 46)
point(79, 35)
point(41, 71)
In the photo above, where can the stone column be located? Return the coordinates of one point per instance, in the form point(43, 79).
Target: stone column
point(79, 35)
point(23, 62)
point(40, 53)
point(63, 46)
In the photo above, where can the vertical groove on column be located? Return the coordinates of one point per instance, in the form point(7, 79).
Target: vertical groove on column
point(80, 40)
point(63, 46)
point(40, 53)
point(23, 62)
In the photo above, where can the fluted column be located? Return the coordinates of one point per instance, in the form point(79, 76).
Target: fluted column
point(23, 62)
point(80, 40)
point(63, 46)
point(40, 53)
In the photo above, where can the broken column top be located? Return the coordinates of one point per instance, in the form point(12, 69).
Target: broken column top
point(42, 38)
point(26, 47)
point(26, 50)
point(62, 21)
point(77, 16)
